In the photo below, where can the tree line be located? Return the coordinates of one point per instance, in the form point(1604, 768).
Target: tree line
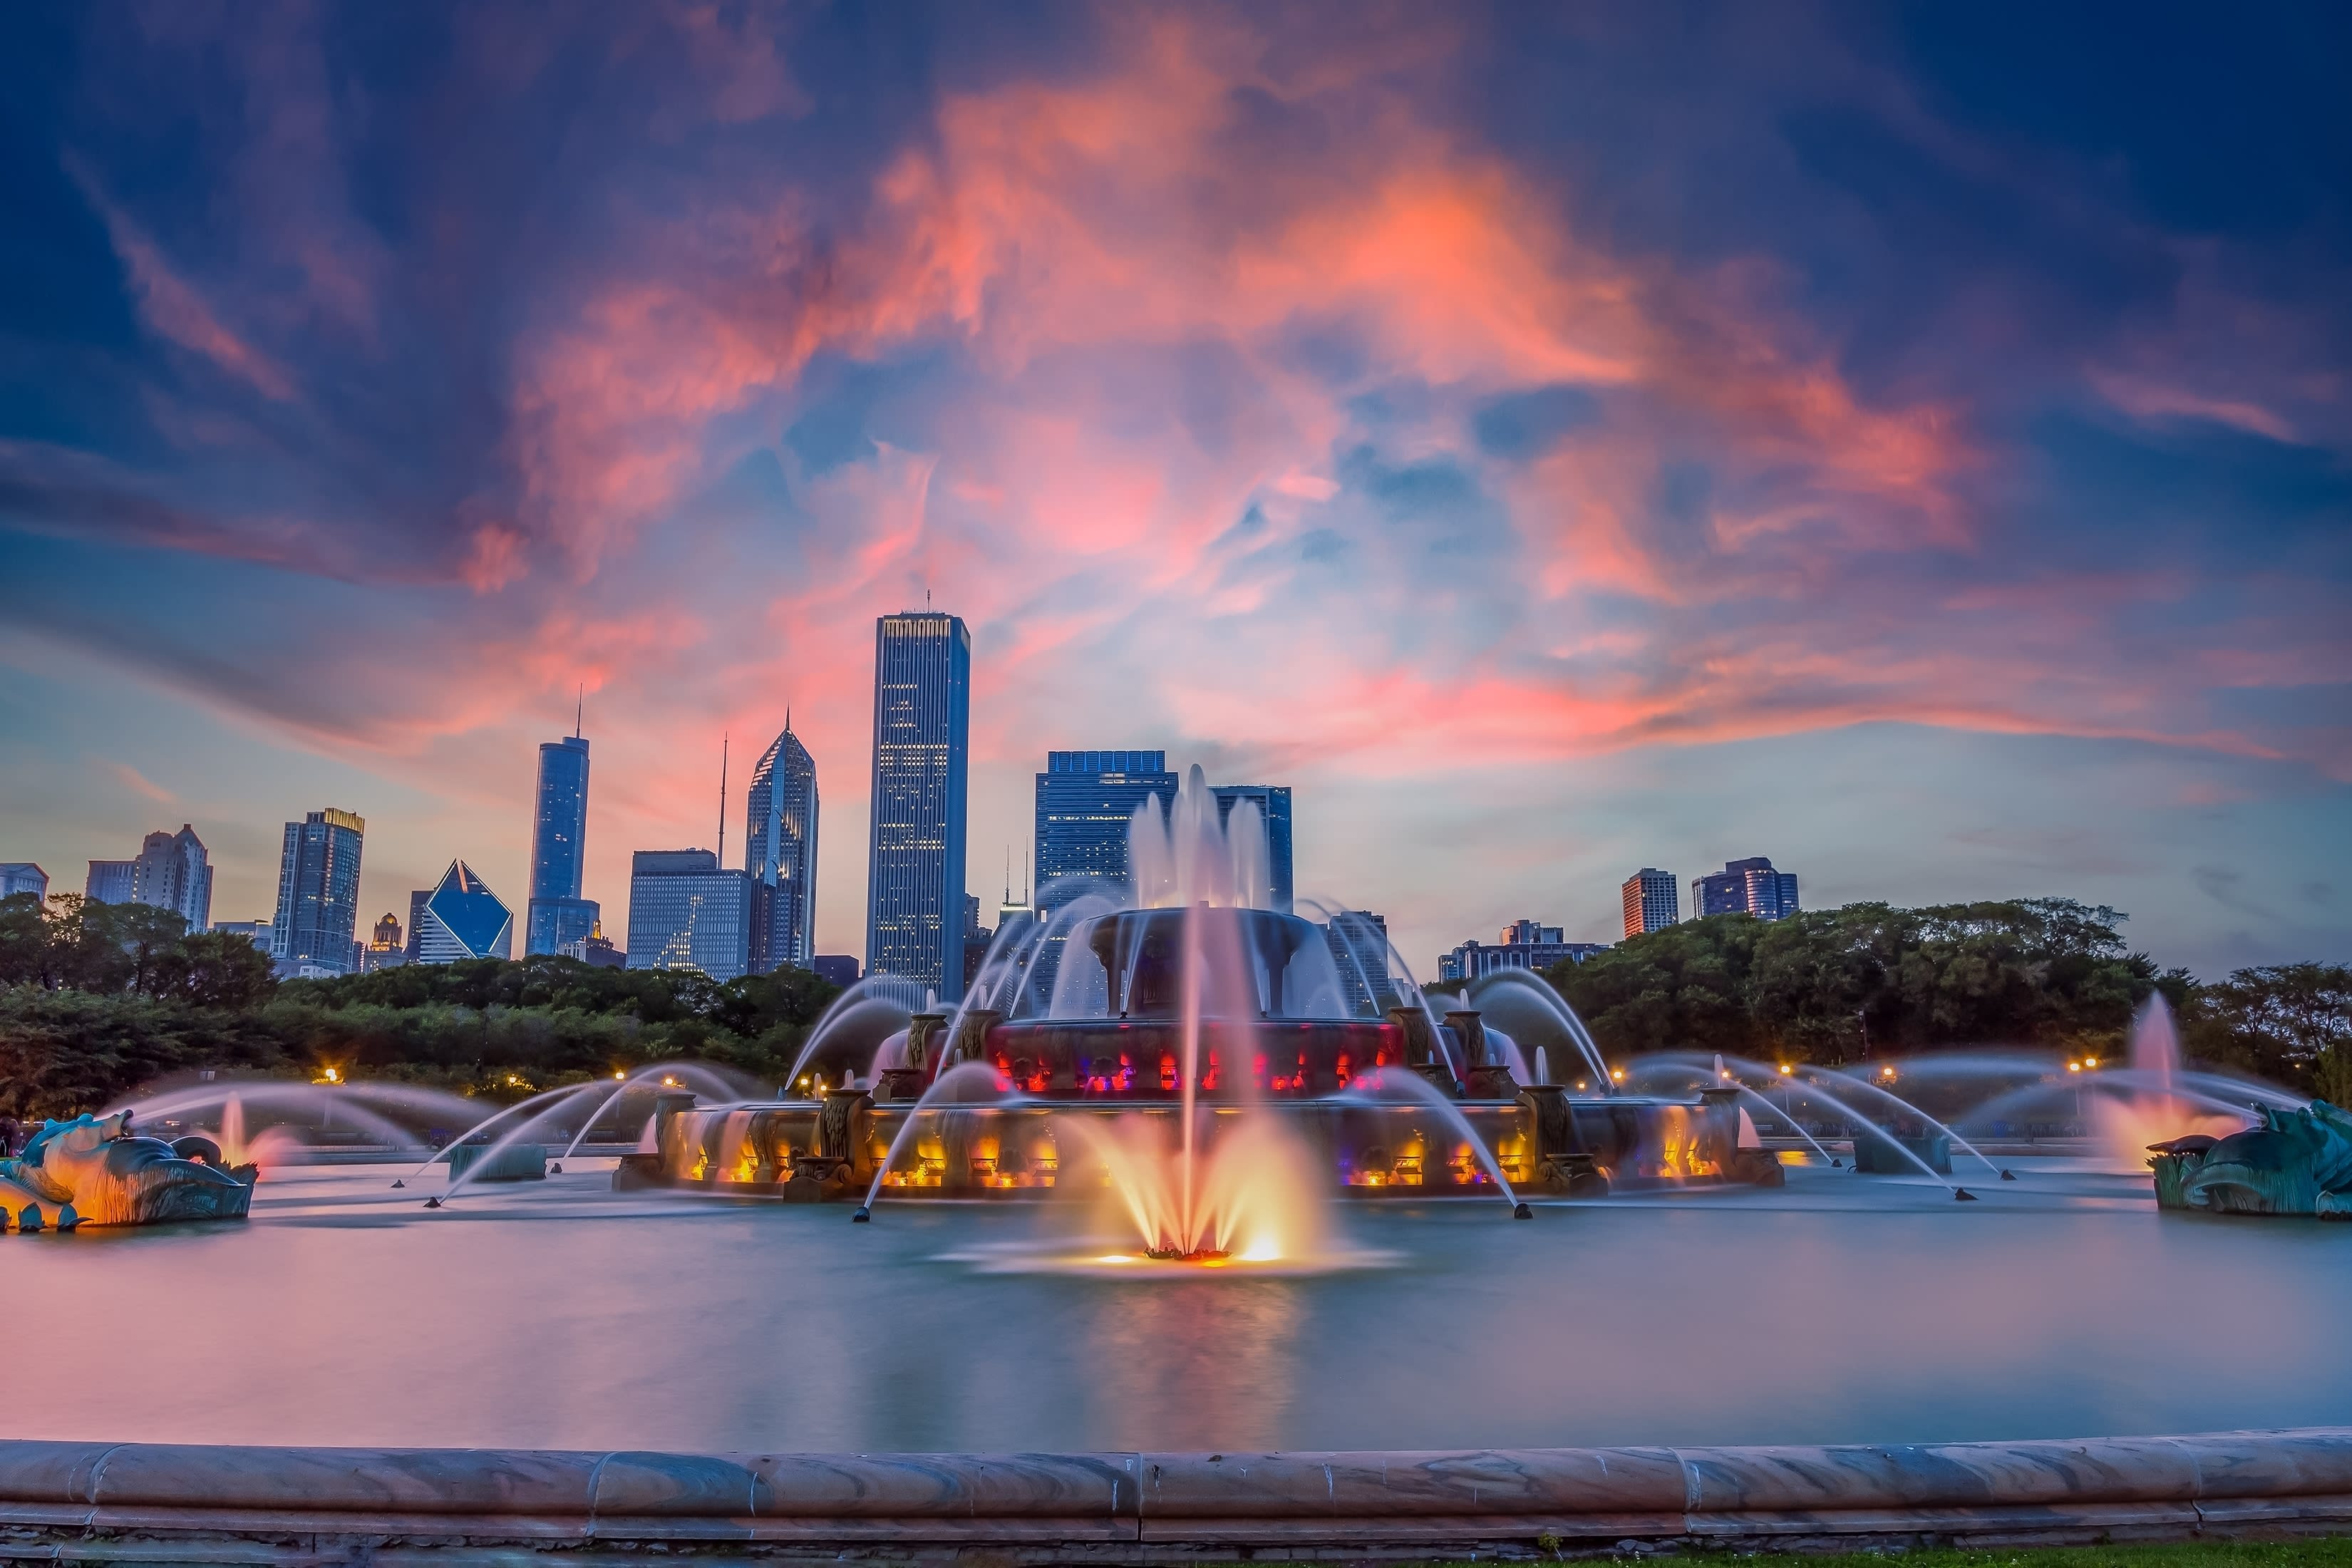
point(96, 1000)
point(1868, 980)
point(99, 999)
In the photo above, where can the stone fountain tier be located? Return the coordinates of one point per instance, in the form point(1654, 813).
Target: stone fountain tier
point(1545, 1141)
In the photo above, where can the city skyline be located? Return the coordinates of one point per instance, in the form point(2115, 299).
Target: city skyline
point(1890, 436)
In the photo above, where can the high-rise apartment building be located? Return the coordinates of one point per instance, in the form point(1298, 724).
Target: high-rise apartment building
point(1358, 941)
point(317, 892)
point(686, 912)
point(780, 853)
point(1650, 902)
point(23, 877)
point(1524, 944)
point(263, 934)
point(1086, 800)
point(1748, 887)
point(915, 877)
point(461, 918)
point(171, 872)
point(1274, 807)
point(110, 881)
point(556, 913)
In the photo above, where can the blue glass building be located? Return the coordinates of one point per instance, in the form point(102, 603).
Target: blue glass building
point(556, 913)
point(1273, 806)
point(318, 893)
point(915, 874)
point(1085, 802)
point(780, 853)
point(1749, 887)
point(686, 912)
point(461, 918)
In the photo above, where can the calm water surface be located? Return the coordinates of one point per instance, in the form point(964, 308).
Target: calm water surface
point(562, 1314)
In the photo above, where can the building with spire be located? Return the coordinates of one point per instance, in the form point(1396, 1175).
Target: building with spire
point(779, 811)
point(556, 913)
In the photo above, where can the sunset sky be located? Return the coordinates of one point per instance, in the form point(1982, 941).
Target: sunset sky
point(1908, 442)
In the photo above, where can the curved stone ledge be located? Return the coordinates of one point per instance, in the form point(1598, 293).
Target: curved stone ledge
point(109, 1502)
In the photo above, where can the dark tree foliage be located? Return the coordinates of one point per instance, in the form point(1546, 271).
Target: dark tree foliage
point(99, 999)
point(1830, 985)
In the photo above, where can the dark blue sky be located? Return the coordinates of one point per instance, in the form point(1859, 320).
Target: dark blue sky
point(1909, 441)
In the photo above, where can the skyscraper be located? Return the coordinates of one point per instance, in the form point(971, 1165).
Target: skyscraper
point(915, 880)
point(23, 877)
point(1273, 806)
point(1085, 802)
point(1650, 900)
point(317, 892)
point(556, 913)
point(173, 872)
point(685, 912)
point(110, 881)
point(1358, 941)
point(780, 853)
point(461, 918)
point(1746, 887)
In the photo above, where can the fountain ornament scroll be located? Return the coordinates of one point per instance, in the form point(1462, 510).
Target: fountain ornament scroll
point(2292, 1163)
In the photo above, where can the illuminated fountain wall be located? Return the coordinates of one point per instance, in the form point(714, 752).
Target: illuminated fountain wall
point(1202, 1065)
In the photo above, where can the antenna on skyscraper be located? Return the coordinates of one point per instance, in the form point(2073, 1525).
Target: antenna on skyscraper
point(722, 800)
point(579, 710)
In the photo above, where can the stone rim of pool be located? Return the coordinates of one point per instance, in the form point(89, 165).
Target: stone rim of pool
point(117, 1502)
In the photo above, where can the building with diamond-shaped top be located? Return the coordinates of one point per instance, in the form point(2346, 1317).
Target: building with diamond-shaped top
point(461, 919)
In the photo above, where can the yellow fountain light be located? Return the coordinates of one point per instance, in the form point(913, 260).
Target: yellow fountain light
point(668, 1082)
point(1617, 1073)
point(2090, 1062)
point(330, 1076)
point(1886, 1072)
point(2073, 1066)
point(618, 1076)
point(1786, 1070)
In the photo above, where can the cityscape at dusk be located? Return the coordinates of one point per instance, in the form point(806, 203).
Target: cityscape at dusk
point(1104, 782)
point(1937, 482)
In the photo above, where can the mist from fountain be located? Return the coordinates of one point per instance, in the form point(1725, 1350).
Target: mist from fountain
point(369, 1106)
point(1397, 1086)
point(858, 1005)
point(1519, 996)
point(966, 1083)
point(2127, 1124)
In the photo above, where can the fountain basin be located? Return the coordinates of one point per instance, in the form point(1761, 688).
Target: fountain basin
point(1545, 1141)
point(477, 1505)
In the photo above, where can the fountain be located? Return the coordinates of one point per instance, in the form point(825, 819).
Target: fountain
point(1199, 1060)
point(96, 1171)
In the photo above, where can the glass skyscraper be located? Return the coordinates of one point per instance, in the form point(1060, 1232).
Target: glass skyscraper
point(780, 853)
point(317, 892)
point(461, 918)
point(1274, 804)
point(685, 912)
point(915, 877)
point(1085, 802)
point(556, 912)
point(1746, 887)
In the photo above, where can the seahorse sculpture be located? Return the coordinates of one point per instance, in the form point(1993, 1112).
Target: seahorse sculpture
point(2293, 1162)
point(96, 1171)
